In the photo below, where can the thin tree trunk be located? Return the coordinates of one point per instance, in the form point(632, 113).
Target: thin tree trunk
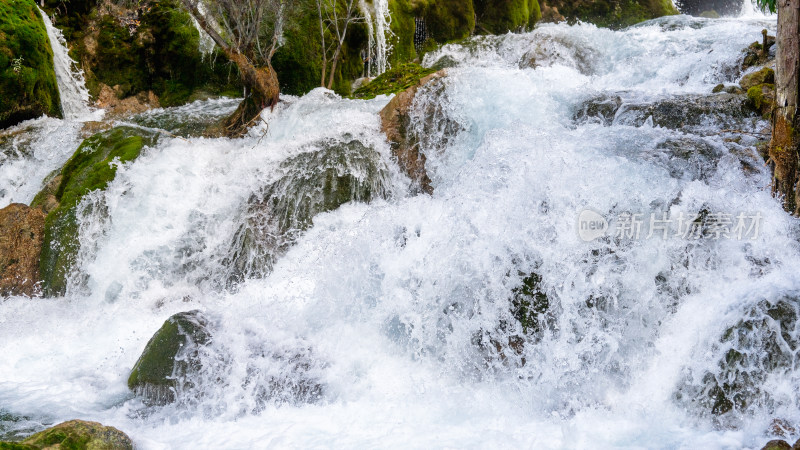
point(261, 83)
point(784, 146)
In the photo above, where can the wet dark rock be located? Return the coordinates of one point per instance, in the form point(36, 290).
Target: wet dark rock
point(693, 112)
point(763, 342)
point(169, 356)
point(337, 172)
point(601, 109)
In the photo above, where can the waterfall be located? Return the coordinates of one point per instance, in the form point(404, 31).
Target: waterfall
point(71, 84)
point(378, 19)
point(477, 316)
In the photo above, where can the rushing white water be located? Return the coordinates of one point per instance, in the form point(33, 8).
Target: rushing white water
point(398, 306)
point(71, 84)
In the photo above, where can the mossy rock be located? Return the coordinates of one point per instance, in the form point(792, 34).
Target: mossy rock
point(613, 13)
point(90, 168)
point(74, 435)
point(762, 98)
point(506, 15)
point(319, 180)
point(29, 86)
point(530, 305)
point(393, 81)
point(169, 355)
point(763, 76)
point(448, 20)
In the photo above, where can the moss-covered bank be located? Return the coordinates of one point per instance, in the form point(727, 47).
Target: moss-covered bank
point(74, 435)
point(612, 13)
point(92, 167)
point(27, 78)
point(152, 47)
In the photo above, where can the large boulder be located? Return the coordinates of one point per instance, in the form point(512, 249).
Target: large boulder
point(608, 13)
point(395, 121)
point(331, 173)
point(74, 435)
point(170, 355)
point(91, 168)
point(27, 76)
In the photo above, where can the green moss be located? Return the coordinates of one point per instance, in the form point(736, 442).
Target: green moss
point(530, 304)
point(613, 14)
point(153, 372)
point(393, 81)
point(506, 15)
point(90, 168)
point(448, 20)
point(33, 83)
point(402, 27)
point(756, 95)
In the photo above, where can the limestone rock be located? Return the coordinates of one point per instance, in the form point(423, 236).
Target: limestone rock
point(395, 122)
point(21, 232)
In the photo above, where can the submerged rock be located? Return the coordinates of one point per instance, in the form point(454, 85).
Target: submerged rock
point(697, 113)
point(763, 342)
point(169, 356)
point(21, 232)
point(27, 75)
point(315, 181)
point(395, 123)
point(74, 435)
point(91, 167)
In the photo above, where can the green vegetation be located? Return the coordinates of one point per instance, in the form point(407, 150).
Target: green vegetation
point(26, 65)
point(507, 15)
point(613, 14)
point(92, 167)
point(393, 81)
point(161, 55)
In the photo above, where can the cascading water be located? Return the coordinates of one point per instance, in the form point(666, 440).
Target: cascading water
point(378, 19)
point(474, 317)
point(30, 151)
point(71, 85)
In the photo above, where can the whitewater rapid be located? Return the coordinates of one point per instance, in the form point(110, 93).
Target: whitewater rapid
point(394, 304)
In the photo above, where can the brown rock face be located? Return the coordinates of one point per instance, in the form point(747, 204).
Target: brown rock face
point(395, 123)
point(109, 99)
point(21, 233)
